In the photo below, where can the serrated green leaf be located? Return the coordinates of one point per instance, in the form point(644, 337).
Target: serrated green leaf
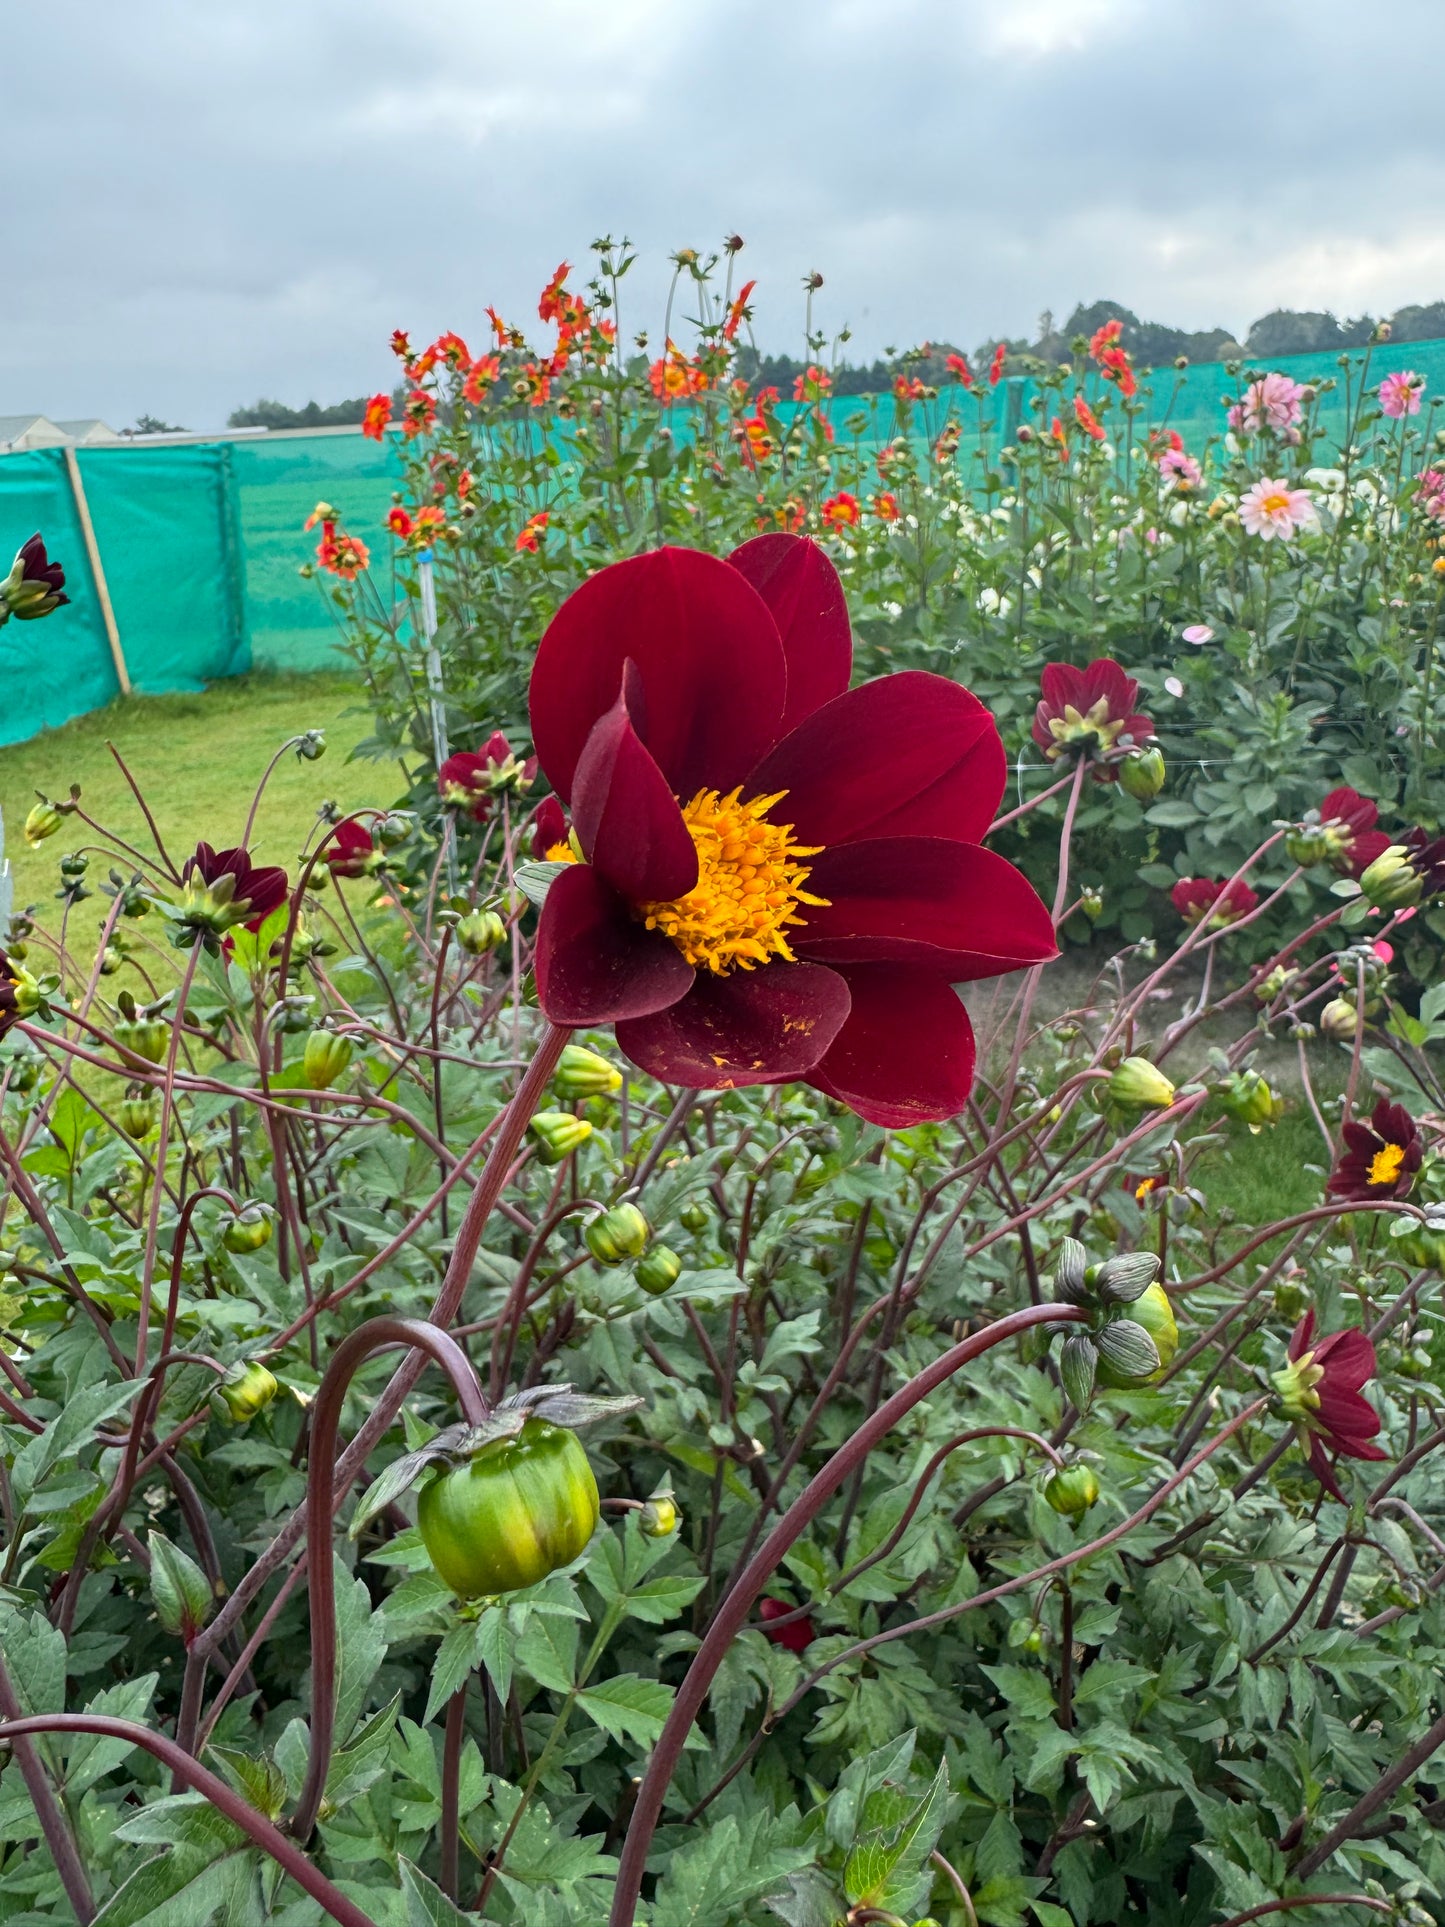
point(628, 1707)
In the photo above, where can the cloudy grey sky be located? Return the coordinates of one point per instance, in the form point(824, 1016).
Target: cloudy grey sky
point(208, 200)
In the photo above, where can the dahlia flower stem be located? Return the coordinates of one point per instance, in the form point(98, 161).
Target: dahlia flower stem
point(377, 1334)
point(1066, 837)
point(732, 1614)
point(59, 1837)
point(163, 1131)
point(191, 1773)
point(456, 1729)
point(1291, 1901)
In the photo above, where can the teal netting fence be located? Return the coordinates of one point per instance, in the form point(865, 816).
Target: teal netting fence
point(200, 542)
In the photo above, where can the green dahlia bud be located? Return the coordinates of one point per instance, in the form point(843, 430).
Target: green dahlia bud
point(1279, 979)
point(1290, 1299)
point(44, 820)
point(1142, 773)
point(659, 1518)
point(1339, 1019)
point(247, 1388)
point(694, 1217)
point(557, 1134)
point(1246, 1096)
point(1125, 1364)
point(137, 1113)
point(181, 1591)
point(1391, 882)
point(1140, 1085)
point(1312, 842)
point(1421, 1242)
point(516, 1511)
point(658, 1270)
point(481, 931)
point(617, 1235)
point(326, 1057)
point(1091, 902)
point(582, 1073)
point(249, 1230)
point(1072, 1490)
point(391, 830)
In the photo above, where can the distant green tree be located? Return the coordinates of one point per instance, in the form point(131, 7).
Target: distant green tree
point(153, 425)
point(276, 414)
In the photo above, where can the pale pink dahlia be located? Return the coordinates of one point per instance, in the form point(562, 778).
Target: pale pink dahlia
point(1272, 508)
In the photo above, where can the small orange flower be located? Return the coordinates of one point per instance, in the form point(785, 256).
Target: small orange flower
point(399, 522)
point(995, 367)
point(946, 447)
point(549, 307)
point(499, 327)
point(419, 415)
point(1087, 419)
point(530, 534)
point(1056, 434)
point(813, 384)
point(427, 519)
point(342, 555)
point(378, 414)
point(885, 506)
point(841, 511)
point(401, 344)
point(1104, 338)
point(958, 367)
point(535, 382)
point(674, 378)
point(480, 376)
point(908, 387)
point(739, 312)
point(451, 349)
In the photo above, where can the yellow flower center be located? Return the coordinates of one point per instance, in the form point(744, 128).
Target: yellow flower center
point(1276, 503)
point(749, 885)
point(1073, 727)
point(1385, 1164)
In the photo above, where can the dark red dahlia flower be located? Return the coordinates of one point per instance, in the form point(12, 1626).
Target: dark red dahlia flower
point(34, 585)
point(797, 1637)
point(473, 777)
point(547, 827)
point(351, 851)
point(1348, 820)
point(783, 877)
point(224, 888)
point(1196, 898)
point(1381, 1157)
point(1089, 712)
point(1320, 1390)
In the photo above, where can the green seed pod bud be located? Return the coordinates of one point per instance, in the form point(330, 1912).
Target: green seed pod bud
point(147, 1037)
point(1290, 1299)
point(617, 1235)
point(292, 1015)
point(658, 1270)
point(1072, 1490)
point(136, 1114)
point(249, 1230)
point(659, 1518)
point(694, 1217)
point(74, 865)
point(1141, 773)
point(247, 1388)
point(1279, 979)
point(1153, 1315)
point(481, 931)
point(1091, 902)
point(557, 1134)
point(44, 820)
point(111, 959)
point(582, 1073)
point(1140, 1086)
point(181, 1591)
point(1392, 882)
point(390, 830)
point(1339, 1019)
point(25, 1071)
point(325, 1058)
point(1246, 1095)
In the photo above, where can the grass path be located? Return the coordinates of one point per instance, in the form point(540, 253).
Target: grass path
point(197, 758)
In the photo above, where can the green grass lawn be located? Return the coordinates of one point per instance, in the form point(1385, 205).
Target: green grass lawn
point(198, 759)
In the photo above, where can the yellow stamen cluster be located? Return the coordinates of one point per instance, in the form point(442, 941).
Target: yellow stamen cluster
point(1074, 726)
point(1385, 1164)
point(748, 888)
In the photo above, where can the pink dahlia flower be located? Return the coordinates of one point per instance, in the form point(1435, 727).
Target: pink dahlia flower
point(1273, 509)
point(1274, 401)
point(1400, 393)
point(1181, 471)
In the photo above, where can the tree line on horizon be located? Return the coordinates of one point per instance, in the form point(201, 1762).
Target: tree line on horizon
point(1153, 344)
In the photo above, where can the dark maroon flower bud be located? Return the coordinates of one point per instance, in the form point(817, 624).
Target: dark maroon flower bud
point(224, 888)
point(351, 851)
point(797, 1636)
point(1319, 1390)
point(33, 586)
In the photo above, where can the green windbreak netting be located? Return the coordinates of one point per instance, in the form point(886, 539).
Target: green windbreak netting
point(202, 542)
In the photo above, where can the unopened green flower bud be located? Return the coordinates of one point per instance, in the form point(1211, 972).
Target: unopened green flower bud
point(325, 1058)
point(1140, 1085)
point(557, 1134)
point(619, 1234)
point(1091, 902)
point(481, 931)
point(1311, 842)
point(111, 959)
point(1290, 1299)
point(181, 1591)
point(249, 1230)
point(1278, 980)
point(694, 1217)
point(1141, 773)
point(136, 1113)
point(1126, 1365)
point(1392, 882)
point(1246, 1095)
point(311, 747)
point(1072, 1490)
point(659, 1517)
point(1421, 1241)
point(44, 820)
point(247, 1388)
point(1339, 1018)
point(582, 1073)
point(658, 1270)
point(392, 829)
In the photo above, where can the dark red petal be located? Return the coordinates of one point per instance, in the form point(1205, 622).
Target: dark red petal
point(956, 909)
point(1349, 1356)
point(1302, 1336)
point(1106, 678)
point(1350, 1419)
point(801, 587)
point(1060, 684)
point(905, 1055)
point(1323, 1470)
point(911, 754)
point(709, 659)
point(749, 1027)
point(626, 817)
point(594, 962)
point(1365, 846)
